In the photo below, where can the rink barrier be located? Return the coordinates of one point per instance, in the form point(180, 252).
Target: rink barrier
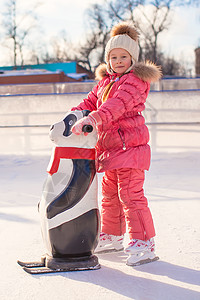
point(147, 123)
point(41, 111)
point(161, 107)
point(34, 139)
point(85, 93)
point(168, 113)
point(55, 88)
point(43, 94)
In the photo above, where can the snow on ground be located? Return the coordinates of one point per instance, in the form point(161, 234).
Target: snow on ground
point(173, 189)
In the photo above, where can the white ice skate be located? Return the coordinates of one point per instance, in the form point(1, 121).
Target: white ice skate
point(140, 252)
point(109, 243)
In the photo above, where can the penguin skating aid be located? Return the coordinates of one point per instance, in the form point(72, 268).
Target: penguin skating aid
point(68, 208)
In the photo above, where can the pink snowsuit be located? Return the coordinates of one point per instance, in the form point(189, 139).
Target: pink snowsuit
point(122, 149)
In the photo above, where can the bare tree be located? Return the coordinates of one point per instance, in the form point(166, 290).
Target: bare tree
point(103, 17)
point(170, 66)
point(151, 17)
point(18, 25)
point(61, 49)
point(122, 10)
point(152, 20)
point(91, 52)
point(84, 55)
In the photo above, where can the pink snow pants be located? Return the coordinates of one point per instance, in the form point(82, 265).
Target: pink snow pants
point(124, 202)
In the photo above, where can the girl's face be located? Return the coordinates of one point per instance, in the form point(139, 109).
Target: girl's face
point(120, 60)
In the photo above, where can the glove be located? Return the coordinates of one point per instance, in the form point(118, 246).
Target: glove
point(93, 119)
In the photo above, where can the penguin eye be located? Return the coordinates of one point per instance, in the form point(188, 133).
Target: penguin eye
point(69, 121)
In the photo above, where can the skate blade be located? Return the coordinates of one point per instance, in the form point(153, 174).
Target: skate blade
point(142, 262)
point(33, 264)
point(46, 270)
point(108, 251)
point(49, 264)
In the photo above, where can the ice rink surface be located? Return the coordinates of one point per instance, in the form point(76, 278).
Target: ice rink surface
point(172, 188)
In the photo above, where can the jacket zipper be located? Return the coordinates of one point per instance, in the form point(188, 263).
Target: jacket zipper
point(122, 139)
point(141, 223)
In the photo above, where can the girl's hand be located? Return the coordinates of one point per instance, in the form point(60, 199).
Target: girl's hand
point(93, 119)
point(78, 126)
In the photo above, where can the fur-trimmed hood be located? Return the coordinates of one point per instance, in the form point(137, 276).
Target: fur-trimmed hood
point(147, 71)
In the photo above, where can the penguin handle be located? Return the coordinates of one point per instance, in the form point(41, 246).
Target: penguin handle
point(87, 128)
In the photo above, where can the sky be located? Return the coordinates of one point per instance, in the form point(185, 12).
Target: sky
point(69, 16)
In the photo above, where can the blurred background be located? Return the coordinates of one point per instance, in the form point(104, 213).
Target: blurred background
point(39, 31)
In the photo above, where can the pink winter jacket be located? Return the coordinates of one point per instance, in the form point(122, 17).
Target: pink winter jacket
point(123, 136)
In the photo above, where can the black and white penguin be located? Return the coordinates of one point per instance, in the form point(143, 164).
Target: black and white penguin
point(69, 214)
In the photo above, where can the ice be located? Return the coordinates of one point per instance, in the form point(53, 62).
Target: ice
point(173, 189)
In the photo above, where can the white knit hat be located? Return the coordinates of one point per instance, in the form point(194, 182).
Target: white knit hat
point(125, 36)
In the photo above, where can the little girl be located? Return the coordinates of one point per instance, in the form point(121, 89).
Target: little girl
point(122, 149)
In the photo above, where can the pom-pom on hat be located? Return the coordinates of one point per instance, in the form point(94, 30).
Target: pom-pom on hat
point(123, 35)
